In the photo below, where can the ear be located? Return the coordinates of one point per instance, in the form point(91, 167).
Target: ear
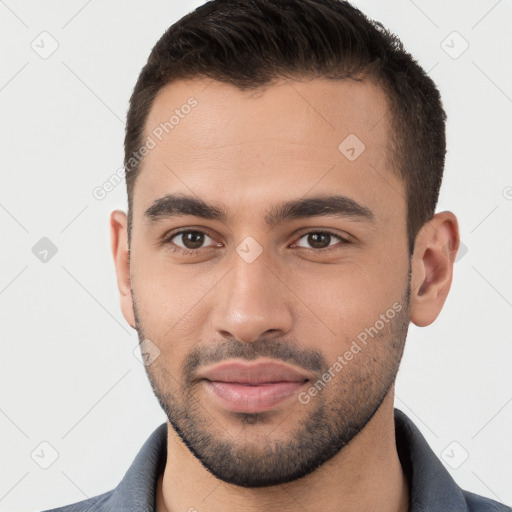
point(120, 251)
point(434, 254)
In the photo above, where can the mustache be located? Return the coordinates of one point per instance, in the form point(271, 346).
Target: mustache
point(286, 351)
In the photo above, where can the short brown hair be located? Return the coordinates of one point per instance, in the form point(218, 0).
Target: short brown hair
point(251, 43)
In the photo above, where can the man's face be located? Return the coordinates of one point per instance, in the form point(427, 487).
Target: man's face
point(321, 290)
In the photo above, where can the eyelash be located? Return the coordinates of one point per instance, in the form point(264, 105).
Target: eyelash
point(190, 252)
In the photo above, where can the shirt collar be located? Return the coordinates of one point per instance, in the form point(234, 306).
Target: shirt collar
point(137, 490)
point(431, 487)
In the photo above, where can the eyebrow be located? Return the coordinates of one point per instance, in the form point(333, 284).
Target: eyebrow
point(176, 205)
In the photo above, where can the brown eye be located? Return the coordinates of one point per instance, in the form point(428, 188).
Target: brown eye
point(189, 239)
point(320, 240)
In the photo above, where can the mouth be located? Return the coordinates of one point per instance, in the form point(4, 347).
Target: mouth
point(252, 387)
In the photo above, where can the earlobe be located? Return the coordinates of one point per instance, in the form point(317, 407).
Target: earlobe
point(432, 267)
point(120, 252)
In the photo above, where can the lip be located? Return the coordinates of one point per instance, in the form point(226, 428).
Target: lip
point(252, 387)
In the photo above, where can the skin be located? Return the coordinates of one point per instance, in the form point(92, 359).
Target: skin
point(246, 152)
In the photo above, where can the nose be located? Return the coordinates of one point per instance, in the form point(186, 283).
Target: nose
point(252, 301)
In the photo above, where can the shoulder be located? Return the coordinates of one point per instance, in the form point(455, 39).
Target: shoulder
point(94, 504)
point(135, 491)
point(477, 503)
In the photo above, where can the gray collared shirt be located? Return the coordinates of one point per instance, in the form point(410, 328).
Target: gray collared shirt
point(431, 488)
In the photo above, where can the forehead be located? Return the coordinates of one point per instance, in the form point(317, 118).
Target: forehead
point(217, 141)
point(313, 112)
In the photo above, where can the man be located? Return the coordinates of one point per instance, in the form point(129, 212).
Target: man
point(284, 159)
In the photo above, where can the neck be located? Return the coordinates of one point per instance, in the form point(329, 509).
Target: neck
point(364, 476)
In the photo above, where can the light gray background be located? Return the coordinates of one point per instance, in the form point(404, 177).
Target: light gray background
point(68, 373)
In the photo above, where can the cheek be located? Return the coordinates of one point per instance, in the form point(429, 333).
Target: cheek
point(167, 294)
point(351, 296)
